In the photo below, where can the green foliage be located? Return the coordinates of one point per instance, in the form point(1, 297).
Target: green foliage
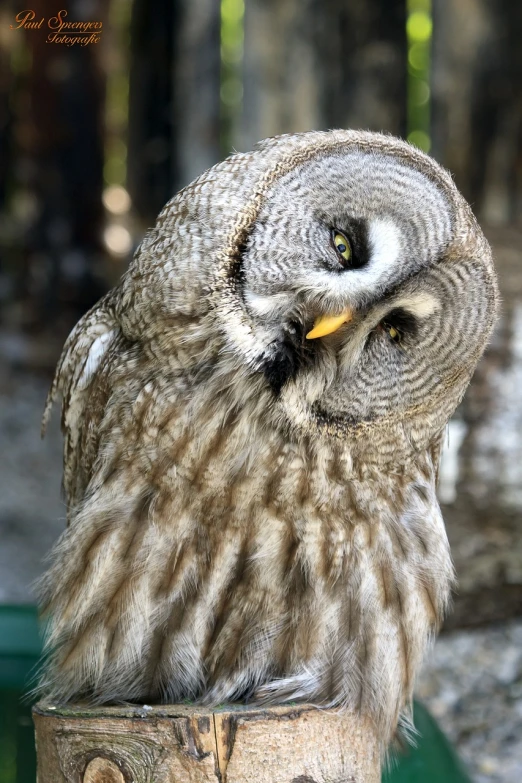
point(418, 31)
point(231, 91)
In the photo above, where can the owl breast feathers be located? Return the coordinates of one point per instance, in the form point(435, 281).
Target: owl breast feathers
point(253, 420)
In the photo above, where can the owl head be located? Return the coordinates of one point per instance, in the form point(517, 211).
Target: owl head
point(340, 274)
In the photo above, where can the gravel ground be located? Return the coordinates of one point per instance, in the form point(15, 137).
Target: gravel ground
point(472, 683)
point(32, 512)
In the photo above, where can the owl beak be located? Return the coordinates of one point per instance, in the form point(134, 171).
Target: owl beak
point(326, 324)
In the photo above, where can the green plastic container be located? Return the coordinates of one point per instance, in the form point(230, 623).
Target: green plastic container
point(432, 761)
point(20, 648)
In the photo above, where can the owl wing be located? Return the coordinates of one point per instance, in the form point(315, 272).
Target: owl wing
point(435, 450)
point(81, 379)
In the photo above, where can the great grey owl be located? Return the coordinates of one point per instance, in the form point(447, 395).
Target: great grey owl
point(253, 421)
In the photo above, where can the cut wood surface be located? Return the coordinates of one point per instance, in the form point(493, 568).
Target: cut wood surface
point(185, 744)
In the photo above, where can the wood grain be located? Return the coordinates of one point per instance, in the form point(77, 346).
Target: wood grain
point(185, 744)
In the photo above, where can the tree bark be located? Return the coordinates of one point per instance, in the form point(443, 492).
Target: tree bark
point(185, 744)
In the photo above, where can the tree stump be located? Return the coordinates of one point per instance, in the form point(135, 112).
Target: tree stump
point(187, 744)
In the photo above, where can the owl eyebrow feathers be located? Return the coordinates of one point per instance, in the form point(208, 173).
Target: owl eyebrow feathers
point(267, 304)
point(421, 304)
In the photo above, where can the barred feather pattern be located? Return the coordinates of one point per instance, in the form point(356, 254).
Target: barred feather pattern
point(232, 537)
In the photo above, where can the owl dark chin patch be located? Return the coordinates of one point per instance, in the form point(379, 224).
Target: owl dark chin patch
point(286, 357)
point(281, 366)
point(342, 422)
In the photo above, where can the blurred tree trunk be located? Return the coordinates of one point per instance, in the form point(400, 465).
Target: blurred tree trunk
point(174, 98)
point(196, 97)
point(362, 63)
point(477, 102)
point(63, 148)
point(477, 134)
point(280, 88)
point(149, 174)
point(6, 81)
point(323, 64)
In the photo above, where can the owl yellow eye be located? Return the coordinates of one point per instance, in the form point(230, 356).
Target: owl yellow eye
point(393, 333)
point(342, 246)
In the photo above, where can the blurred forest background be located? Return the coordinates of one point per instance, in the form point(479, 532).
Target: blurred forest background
point(95, 139)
